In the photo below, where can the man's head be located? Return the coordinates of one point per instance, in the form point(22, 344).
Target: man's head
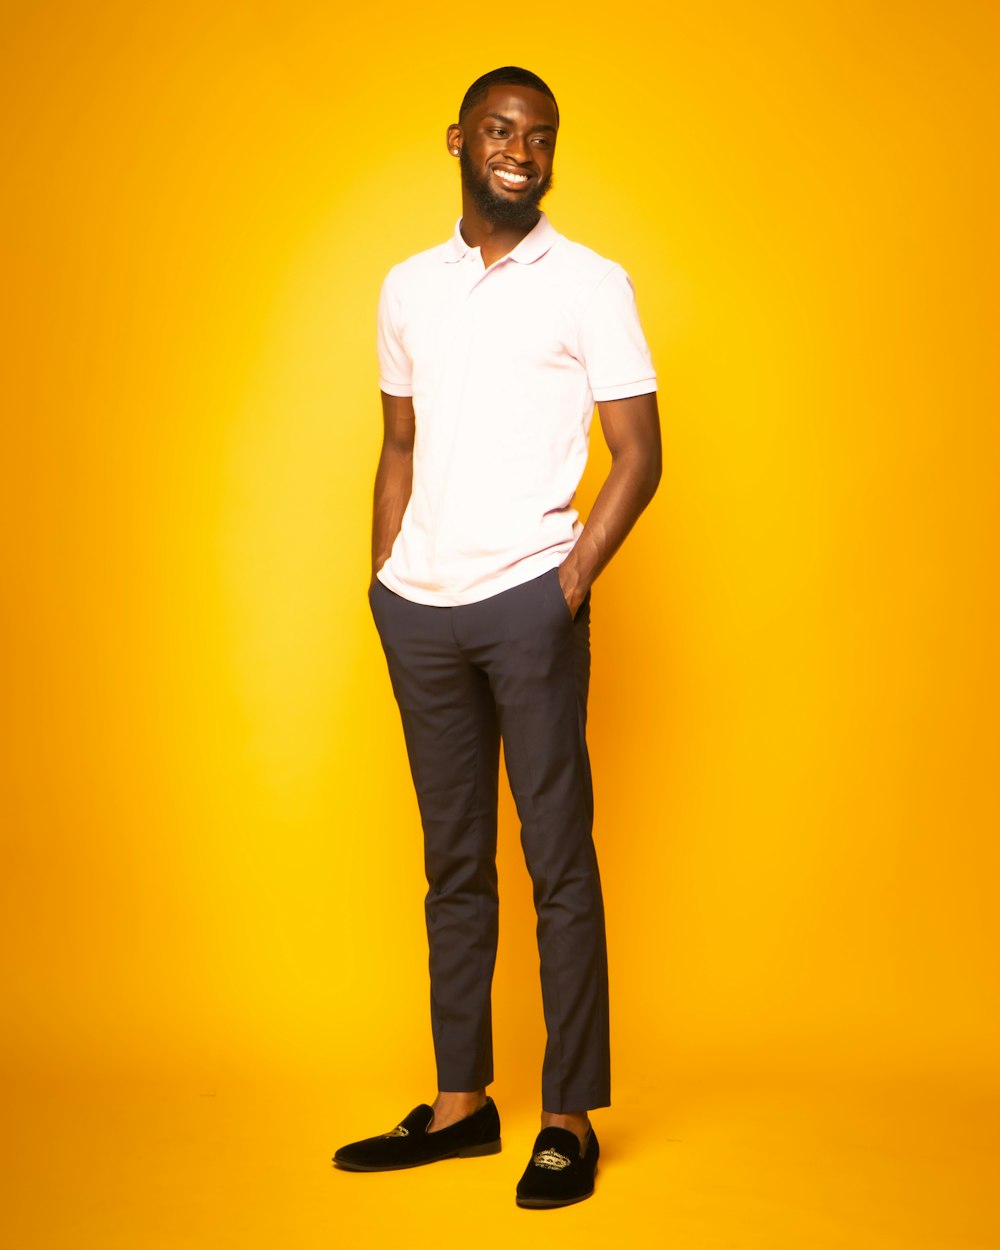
point(505, 139)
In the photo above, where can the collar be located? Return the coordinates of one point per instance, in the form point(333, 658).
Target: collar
point(535, 243)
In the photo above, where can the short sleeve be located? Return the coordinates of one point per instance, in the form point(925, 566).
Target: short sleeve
point(612, 345)
point(395, 369)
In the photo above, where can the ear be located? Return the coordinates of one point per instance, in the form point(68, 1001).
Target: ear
point(454, 138)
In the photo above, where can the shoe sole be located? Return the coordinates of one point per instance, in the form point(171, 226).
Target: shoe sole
point(464, 1152)
point(541, 1204)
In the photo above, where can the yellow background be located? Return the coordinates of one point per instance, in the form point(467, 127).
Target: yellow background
point(213, 881)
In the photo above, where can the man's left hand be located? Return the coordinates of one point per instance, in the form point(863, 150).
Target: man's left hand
point(573, 588)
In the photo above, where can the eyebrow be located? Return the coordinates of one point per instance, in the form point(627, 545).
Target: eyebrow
point(509, 121)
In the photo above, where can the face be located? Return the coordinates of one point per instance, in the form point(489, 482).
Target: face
point(506, 146)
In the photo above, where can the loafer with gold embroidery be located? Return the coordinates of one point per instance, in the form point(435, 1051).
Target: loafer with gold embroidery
point(409, 1144)
point(559, 1172)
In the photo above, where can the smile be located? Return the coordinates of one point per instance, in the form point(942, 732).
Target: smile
point(512, 179)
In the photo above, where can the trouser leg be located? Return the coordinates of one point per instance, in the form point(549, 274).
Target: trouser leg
point(452, 740)
point(537, 657)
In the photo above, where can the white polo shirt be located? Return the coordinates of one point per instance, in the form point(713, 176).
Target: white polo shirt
point(504, 365)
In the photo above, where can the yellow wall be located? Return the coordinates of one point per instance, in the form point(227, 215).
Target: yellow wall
point(212, 848)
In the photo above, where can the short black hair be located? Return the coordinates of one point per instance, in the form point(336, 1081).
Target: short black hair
point(507, 75)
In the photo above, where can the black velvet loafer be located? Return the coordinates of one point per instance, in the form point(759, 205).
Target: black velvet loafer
point(558, 1173)
point(409, 1144)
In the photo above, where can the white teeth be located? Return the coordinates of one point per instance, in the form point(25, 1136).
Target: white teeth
point(507, 176)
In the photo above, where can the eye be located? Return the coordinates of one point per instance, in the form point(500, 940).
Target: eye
point(497, 131)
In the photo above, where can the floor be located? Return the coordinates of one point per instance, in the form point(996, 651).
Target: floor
point(707, 1161)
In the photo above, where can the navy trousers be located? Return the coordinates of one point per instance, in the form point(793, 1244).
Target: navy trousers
point(515, 667)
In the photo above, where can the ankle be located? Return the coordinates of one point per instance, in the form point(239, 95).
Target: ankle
point(450, 1106)
point(577, 1122)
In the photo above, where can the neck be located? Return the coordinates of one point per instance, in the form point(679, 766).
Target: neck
point(493, 240)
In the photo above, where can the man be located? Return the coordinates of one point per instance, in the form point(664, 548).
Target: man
point(493, 348)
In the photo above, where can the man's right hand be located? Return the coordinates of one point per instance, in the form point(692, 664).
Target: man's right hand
point(393, 478)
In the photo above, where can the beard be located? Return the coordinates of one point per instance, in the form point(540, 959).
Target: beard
point(522, 212)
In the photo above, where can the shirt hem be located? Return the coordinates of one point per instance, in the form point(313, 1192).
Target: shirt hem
point(527, 570)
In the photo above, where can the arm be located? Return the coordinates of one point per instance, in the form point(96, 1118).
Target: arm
point(393, 478)
point(632, 431)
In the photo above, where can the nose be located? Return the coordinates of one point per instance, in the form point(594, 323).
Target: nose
point(516, 148)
